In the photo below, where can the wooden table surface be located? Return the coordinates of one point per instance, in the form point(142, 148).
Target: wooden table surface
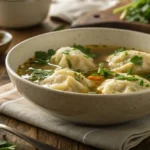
point(39, 134)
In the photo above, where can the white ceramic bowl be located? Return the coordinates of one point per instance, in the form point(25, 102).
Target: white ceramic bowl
point(81, 108)
point(23, 13)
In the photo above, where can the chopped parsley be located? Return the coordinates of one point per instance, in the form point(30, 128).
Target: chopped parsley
point(101, 65)
point(5, 145)
point(126, 53)
point(135, 10)
point(85, 50)
point(130, 71)
point(119, 50)
point(141, 82)
point(67, 53)
point(78, 76)
point(137, 60)
point(92, 92)
point(43, 57)
point(86, 56)
point(104, 71)
point(69, 63)
point(39, 74)
point(123, 77)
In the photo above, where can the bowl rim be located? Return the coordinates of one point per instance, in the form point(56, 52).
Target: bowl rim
point(146, 91)
point(9, 37)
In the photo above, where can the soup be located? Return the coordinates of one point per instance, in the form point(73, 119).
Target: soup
point(93, 69)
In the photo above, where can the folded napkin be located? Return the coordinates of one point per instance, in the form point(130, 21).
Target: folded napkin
point(118, 137)
point(68, 10)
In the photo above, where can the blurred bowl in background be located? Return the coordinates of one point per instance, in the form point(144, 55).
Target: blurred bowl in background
point(23, 13)
point(5, 40)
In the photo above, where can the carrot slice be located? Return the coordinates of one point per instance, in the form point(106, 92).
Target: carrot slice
point(96, 78)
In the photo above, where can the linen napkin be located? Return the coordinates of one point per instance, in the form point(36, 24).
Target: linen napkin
point(118, 137)
point(70, 10)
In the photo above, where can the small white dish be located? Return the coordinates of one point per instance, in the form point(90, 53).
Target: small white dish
point(23, 13)
point(92, 109)
point(5, 40)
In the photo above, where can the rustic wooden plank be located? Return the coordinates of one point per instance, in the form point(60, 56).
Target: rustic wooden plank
point(22, 127)
point(99, 16)
point(4, 120)
point(67, 144)
point(47, 137)
point(85, 147)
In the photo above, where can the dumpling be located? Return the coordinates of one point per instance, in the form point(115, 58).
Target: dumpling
point(68, 57)
point(115, 86)
point(67, 80)
point(123, 61)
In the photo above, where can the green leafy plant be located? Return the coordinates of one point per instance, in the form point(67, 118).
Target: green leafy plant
point(137, 10)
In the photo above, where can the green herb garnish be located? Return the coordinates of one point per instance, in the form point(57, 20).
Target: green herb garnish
point(39, 74)
point(126, 53)
point(85, 50)
point(137, 10)
point(4, 145)
point(104, 71)
point(43, 57)
point(141, 82)
point(137, 60)
point(92, 93)
point(69, 63)
point(67, 53)
point(123, 77)
point(130, 71)
point(86, 56)
point(78, 76)
point(119, 50)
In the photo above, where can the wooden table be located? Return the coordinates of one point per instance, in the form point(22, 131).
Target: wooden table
point(39, 134)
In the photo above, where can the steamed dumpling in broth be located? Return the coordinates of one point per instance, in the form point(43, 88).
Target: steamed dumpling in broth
point(67, 80)
point(123, 61)
point(68, 57)
point(115, 86)
point(91, 69)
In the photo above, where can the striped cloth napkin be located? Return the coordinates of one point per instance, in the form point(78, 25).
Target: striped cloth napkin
point(118, 137)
